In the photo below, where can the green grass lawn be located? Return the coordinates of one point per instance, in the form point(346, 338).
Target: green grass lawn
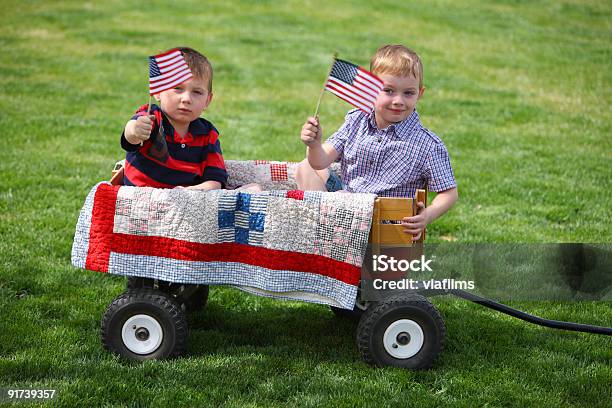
point(519, 91)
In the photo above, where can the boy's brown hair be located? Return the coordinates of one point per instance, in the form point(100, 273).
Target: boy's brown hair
point(198, 64)
point(397, 60)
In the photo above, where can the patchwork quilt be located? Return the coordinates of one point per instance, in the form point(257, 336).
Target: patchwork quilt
point(282, 243)
point(271, 175)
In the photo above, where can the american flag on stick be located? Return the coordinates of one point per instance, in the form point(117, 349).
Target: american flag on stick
point(354, 84)
point(167, 70)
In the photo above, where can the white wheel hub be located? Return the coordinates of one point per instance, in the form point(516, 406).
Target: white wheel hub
point(403, 338)
point(142, 334)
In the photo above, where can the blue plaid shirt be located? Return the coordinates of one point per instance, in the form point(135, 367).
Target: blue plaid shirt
point(392, 162)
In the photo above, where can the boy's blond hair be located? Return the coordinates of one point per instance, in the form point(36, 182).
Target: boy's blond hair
point(199, 65)
point(397, 60)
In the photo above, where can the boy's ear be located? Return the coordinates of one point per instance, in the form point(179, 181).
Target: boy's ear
point(209, 99)
point(421, 91)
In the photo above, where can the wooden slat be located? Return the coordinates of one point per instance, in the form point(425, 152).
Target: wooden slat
point(390, 208)
point(421, 197)
point(117, 177)
point(392, 203)
point(393, 234)
point(395, 208)
point(375, 231)
point(395, 215)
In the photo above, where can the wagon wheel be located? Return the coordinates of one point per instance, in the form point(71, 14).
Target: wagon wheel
point(401, 331)
point(144, 324)
point(192, 298)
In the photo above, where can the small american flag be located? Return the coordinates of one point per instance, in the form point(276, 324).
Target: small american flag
point(354, 84)
point(167, 70)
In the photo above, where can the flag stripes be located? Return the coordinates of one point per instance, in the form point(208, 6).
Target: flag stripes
point(167, 70)
point(354, 84)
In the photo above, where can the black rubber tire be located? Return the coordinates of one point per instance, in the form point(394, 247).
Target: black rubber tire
point(152, 303)
point(379, 316)
point(191, 298)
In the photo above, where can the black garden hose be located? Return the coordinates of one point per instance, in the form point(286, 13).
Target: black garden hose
point(555, 324)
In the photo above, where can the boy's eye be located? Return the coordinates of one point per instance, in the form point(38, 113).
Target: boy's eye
point(388, 91)
point(198, 92)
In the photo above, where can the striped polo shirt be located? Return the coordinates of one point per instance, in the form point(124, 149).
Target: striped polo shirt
point(180, 161)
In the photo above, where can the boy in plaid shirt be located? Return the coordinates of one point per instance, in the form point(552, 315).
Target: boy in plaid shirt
point(387, 152)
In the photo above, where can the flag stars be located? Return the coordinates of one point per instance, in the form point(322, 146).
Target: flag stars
point(354, 84)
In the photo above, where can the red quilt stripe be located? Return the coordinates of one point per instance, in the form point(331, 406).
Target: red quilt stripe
point(101, 228)
point(234, 252)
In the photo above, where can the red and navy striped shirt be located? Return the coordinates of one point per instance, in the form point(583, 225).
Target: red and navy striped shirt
point(186, 161)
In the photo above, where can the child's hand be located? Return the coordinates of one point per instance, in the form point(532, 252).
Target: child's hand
point(414, 225)
point(143, 127)
point(140, 129)
point(311, 132)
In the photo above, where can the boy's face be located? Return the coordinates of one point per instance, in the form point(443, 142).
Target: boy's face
point(397, 99)
point(185, 102)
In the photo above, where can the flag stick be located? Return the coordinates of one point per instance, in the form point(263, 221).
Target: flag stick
point(149, 76)
point(149, 106)
point(148, 111)
point(324, 84)
point(150, 96)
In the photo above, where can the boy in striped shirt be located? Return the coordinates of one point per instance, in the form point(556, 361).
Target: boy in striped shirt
point(172, 146)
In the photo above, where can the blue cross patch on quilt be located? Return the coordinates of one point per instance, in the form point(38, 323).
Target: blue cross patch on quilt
point(242, 217)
